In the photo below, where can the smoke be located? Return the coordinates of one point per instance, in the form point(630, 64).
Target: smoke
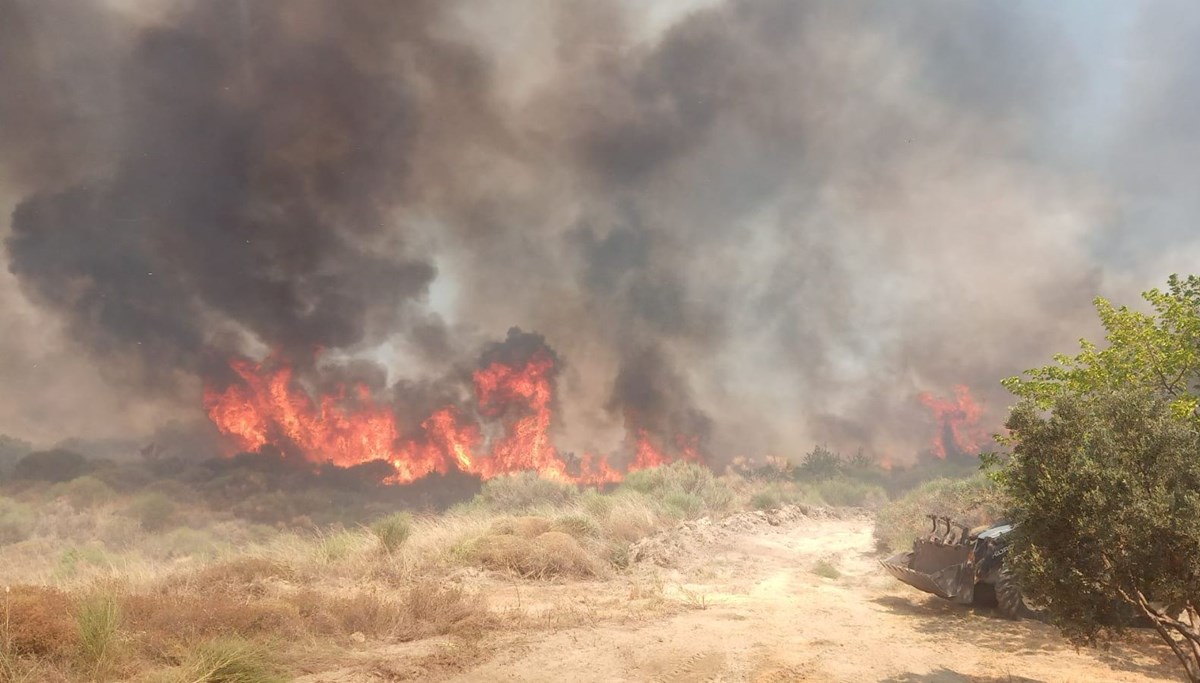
point(759, 224)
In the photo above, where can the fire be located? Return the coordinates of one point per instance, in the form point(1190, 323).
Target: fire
point(267, 406)
point(958, 422)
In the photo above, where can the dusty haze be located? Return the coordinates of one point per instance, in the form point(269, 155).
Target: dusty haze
point(770, 223)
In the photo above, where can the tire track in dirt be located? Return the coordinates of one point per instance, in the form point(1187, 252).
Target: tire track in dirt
point(764, 598)
point(768, 617)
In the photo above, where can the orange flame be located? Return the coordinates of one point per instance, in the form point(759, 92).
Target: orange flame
point(266, 407)
point(958, 422)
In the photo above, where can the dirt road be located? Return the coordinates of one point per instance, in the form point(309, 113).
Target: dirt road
point(804, 601)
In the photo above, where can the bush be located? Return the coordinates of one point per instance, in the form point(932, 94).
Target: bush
point(1107, 496)
point(703, 491)
point(524, 491)
point(971, 501)
point(820, 463)
point(17, 521)
point(392, 531)
point(84, 493)
point(37, 622)
point(88, 555)
point(547, 555)
point(578, 526)
point(154, 512)
point(767, 499)
point(683, 504)
point(54, 465)
point(845, 492)
point(826, 570)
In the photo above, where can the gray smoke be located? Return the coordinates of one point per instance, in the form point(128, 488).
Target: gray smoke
point(763, 224)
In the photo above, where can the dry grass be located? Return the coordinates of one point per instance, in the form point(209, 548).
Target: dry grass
point(227, 660)
point(122, 596)
point(38, 623)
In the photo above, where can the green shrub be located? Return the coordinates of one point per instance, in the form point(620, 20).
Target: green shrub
point(971, 501)
point(597, 504)
point(846, 492)
point(16, 521)
point(154, 512)
point(684, 504)
point(767, 499)
point(826, 570)
point(84, 493)
point(91, 555)
point(667, 483)
point(392, 531)
point(524, 491)
point(820, 463)
point(336, 546)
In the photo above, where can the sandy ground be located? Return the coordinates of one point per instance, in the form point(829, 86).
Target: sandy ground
point(748, 605)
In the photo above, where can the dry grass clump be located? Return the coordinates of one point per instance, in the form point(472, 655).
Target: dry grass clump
point(826, 570)
point(525, 527)
point(37, 622)
point(549, 554)
point(243, 576)
point(631, 519)
point(423, 610)
point(224, 660)
point(168, 620)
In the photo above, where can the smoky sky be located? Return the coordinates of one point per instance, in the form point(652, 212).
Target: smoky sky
point(770, 224)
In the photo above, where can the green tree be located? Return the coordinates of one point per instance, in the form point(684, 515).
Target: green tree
point(821, 463)
point(1158, 351)
point(1104, 477)
point(1107, 509)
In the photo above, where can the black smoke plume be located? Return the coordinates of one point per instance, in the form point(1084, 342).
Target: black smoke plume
point(766, 224)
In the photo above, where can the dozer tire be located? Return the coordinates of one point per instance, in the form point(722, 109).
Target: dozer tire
point(1011, 602)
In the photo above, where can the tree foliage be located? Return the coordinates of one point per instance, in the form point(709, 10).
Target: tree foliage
point(1104, 477)
point(1157, 351)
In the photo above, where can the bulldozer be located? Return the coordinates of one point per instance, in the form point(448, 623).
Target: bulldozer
point(964, 565)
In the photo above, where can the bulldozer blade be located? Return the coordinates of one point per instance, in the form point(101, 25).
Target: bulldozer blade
point(944, 583)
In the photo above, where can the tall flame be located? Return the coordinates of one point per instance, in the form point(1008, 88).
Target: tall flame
point(957, 420)
point(266, 406)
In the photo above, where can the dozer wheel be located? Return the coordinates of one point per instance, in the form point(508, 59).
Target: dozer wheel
point(1011, 602)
